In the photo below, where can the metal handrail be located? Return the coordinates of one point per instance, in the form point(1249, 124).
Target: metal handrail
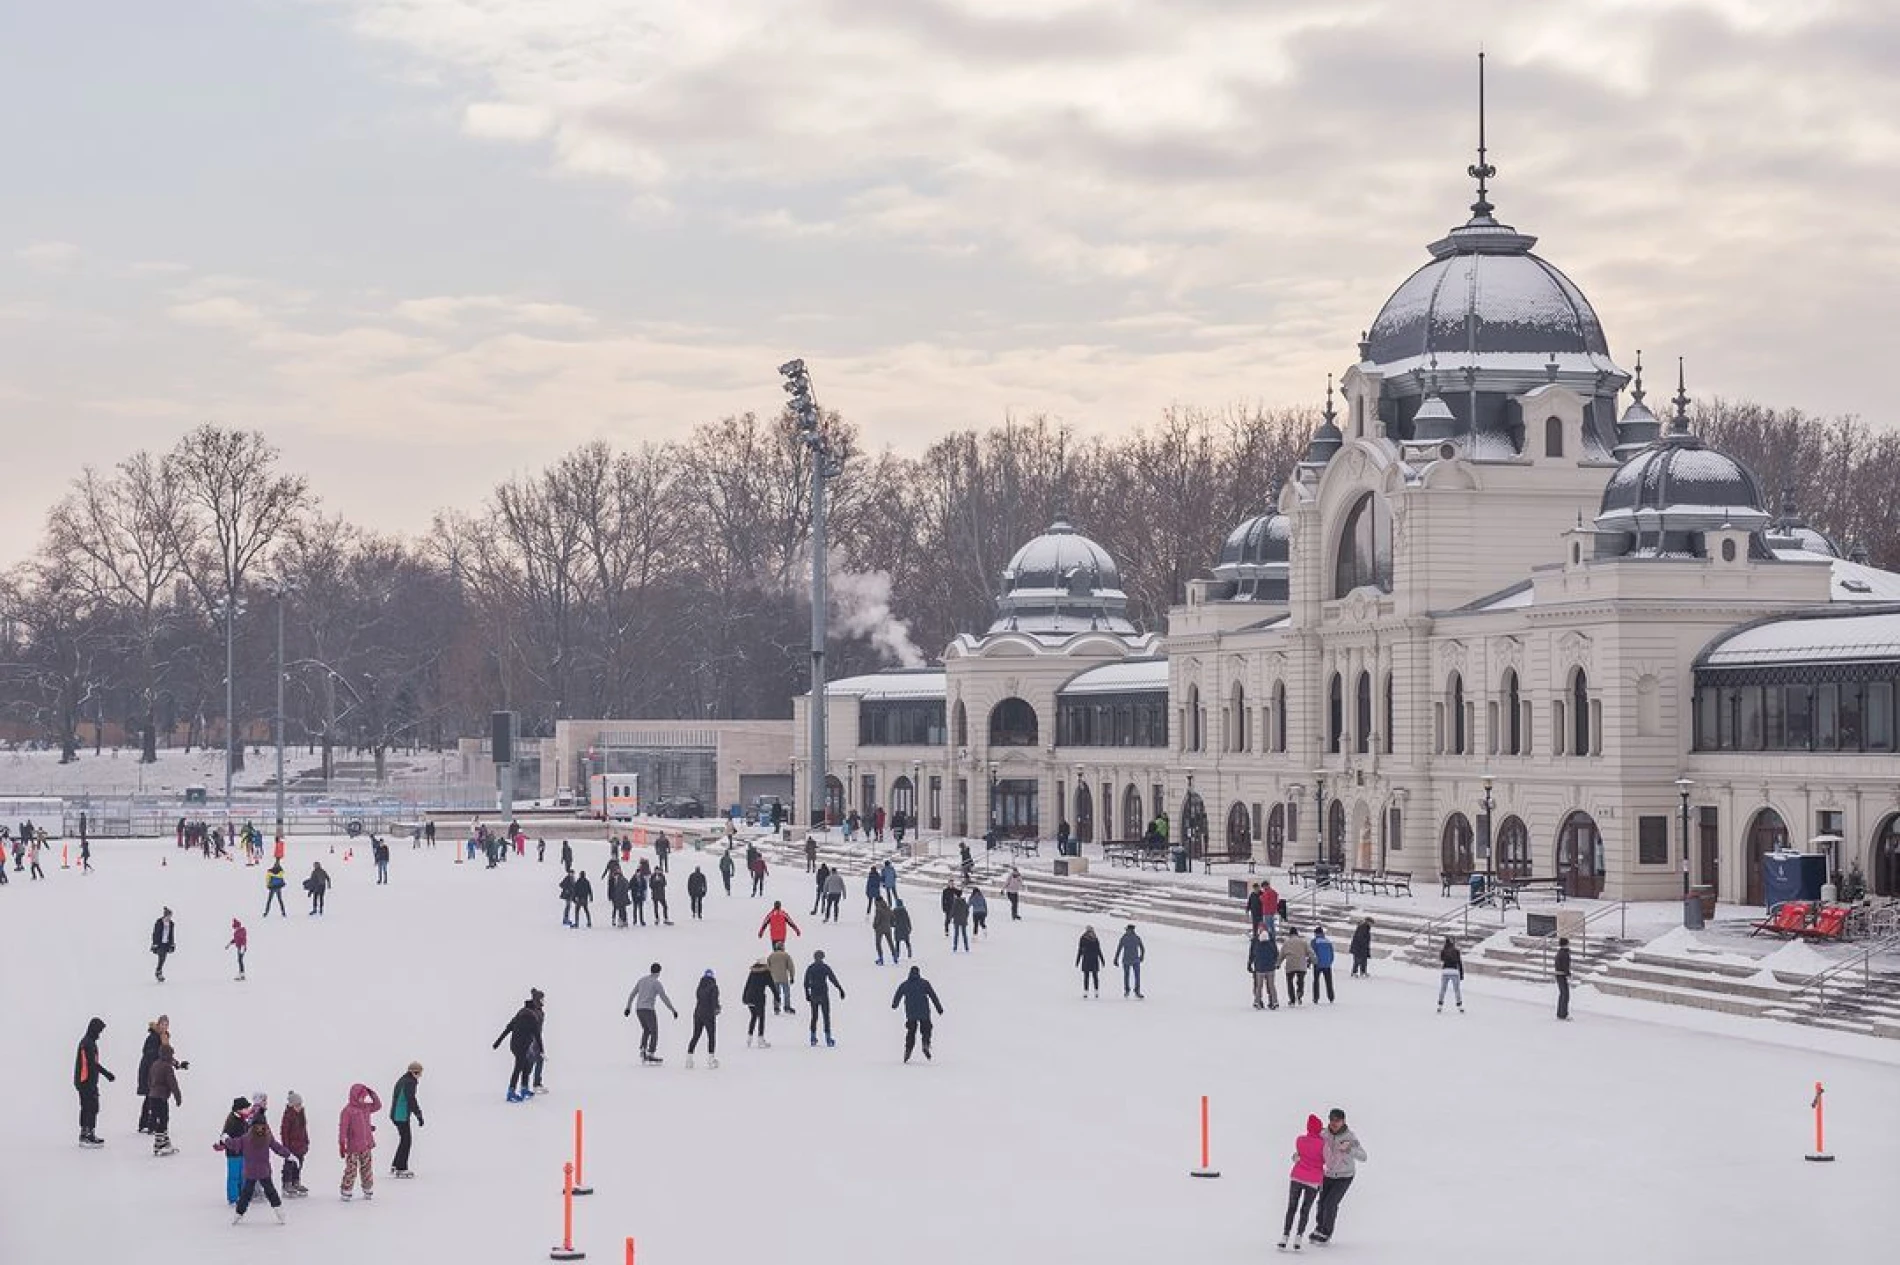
point(1864, 960)
point(1620, 908)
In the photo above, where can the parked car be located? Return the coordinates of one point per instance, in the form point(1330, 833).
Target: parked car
point(677, 806)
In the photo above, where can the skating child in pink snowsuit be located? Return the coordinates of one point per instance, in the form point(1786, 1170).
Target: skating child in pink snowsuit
point(356, 1138)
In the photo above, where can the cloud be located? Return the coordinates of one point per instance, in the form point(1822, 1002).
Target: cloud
point(50, 256)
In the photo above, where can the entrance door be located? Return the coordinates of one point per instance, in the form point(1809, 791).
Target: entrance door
point(1766, 833)
point(1887, 857)
point(1336, 834)
point(1276, 835)
point(1709, 846)
point(1133, 823)
point(1580, 857)
point(1016, 808)
point(1239, 829)
point(1084, 814)
point(1454, 848)
point(1193, 825)
point(1514, 850)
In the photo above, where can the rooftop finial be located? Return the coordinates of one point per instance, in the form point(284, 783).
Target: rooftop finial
point(1636, 391)
point(1481, 171)
point(1680, 424)
point(1329, 397)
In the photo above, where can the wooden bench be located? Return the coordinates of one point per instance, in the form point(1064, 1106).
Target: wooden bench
point(1232, 856)
point(1397, 882)
point(1448, 879)
point(1553, 886)
point(1021, 847)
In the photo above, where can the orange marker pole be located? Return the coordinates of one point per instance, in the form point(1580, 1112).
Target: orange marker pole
point(1206, 1169)
point(580, 1182)
point(566, 1252)
point(629, 1249)
point(1820, 1155)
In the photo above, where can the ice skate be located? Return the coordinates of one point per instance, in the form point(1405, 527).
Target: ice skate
point(237, 1218)
point(764, 1044)
point(712, 1063)
point(403, 1174)
point(160, 1152)
point(814, 1041)
point(748, 1043)
point(828, 1041)
point(513, 1096)
point(1283, 1245)
point(279, 1214)
point(347, 1196)
point(689, 1063)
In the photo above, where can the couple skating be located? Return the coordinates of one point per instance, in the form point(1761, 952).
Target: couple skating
point(1325, 1160)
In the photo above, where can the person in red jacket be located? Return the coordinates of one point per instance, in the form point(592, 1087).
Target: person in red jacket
point(776, 922)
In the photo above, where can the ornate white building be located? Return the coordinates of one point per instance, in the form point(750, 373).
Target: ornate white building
point(1486, 607)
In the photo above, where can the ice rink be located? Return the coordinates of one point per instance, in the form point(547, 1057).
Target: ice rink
point(1047, 1129)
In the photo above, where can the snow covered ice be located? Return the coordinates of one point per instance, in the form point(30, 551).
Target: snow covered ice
point(1047, 1128)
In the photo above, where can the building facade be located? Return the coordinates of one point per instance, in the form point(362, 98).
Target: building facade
point(1492, 623)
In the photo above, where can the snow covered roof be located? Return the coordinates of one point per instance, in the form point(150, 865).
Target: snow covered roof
point(1852, 581)
point(1131, 676)
point(921, 683)
point(1857, 638)
point(1519, 595)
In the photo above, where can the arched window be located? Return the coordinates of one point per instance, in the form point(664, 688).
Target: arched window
point(1336, 834)
point(1514, 850)
point(1335, 712)
point(1239, 723)
point(1455, 720)
point(1279, 716)
point(1362, 715)
point(1390, 727)
point(1512, 717)
point(1365, 548)
point(1276, 835)
point(1454, 848)
point(1013, 724)
point(1553, 437)
point(1192, 735)
point(960, 726)
point(1579, 712)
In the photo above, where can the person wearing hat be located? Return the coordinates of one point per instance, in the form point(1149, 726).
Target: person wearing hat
point(403, 1107)
point(87, 1071)
point(164, 940)
point(231, 1144)
point(646, 998)
point(1343, 1157)
point(293, 1130)
point(1129, 952)
point(1088, 956)
point(705, 1020)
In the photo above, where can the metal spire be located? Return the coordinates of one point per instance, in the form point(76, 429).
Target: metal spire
point(1482, 170)
point(1636, 391)
point(1329, 415)
point(1680, 424)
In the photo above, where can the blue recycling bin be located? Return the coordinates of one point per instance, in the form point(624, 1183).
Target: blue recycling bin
point(1477, 888)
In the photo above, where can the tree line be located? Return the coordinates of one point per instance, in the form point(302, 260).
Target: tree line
point(666, 580)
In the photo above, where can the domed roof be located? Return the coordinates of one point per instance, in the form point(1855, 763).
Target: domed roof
point(1791, 532)
point(1485, 293)
point(1061, 583)
point(1662, 500)
point(1254, 562)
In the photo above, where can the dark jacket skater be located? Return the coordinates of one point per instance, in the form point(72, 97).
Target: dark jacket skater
point(523, 1035)
point(705, 1019)
point(758, 988)
point(1361, 946)
point(1088, 956)
point(900, 931)
point(820, 979)
point(583, 899)
point(404, 1107)
point(696, 893)
point(164, 940)
point(918, 998)
point(87, 1069)
point(147, 1056)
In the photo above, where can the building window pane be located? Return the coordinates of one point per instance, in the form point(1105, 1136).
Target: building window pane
point(1827, 717)
point(1879, 716)
point(1748, 718)
point(1798, 711)
point(1850, 692)
point(1652, 841)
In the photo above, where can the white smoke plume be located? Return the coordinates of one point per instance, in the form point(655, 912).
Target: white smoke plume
point(861, 609)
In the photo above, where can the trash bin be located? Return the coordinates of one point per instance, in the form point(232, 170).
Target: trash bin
point(1179, 855)
point(1707, 896)
point(1477, 888)
point(1692, 913)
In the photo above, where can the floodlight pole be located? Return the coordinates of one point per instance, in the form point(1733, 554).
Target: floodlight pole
point(827, 463)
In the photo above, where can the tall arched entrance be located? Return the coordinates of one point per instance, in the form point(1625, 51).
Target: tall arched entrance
point(1192, 827)
point(1239, 829)
point(1276, 835)
point(1580, 856)
point(1363, 855)
point(1084, 814)
point(1454, 847)
point(1514, 850)
point(1886, 857)
point(1336, 834)
point(834, 800)
point(1767, 832)
point(1133, 823)
point(904, 802)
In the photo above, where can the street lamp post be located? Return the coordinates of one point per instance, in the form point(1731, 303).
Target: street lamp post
point(996, 819)
point(1683, 787)
point(280, 589)
point(1075, 836)
point(1319, 816)
point(827, 463)
point(916, 800)
point(1485, 839)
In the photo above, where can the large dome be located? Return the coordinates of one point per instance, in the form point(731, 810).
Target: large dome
point(1496, 309)
point(1061, 583)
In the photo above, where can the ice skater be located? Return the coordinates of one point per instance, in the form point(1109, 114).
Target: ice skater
point(1296, 955)
point(1263, 959)
point(918, 998)
point(784, 971)
point(726, 868)
point(960, 923)
point(758, 987)
point(1322, 964)
point(293, 1130)
point(1361, 946)
point(778, 922)
point(274, 889)
point(1130, 953)
point(318, 885)
point(164, 941)
point(696, 892)
point(979, 912)
point(1013, 889)
point(1309, 1170)
point(356, 1139)
point(705, 1020)
point(648, 990)
point(1451, 974)
point(87, 1070)
point(873, 887)
point(404, 1106)
point(889, 875)
point(161, 1093)
point(657, 886)
point(881, 931)
point(240, 940)
point(1088, 956)
point(232, 1144)
point(820, 979)
point(523, 1035)
point(583, 900)
point(834, 895)
point(157, 1033)
point(1344, 1154)
point(759, 870)
point(1562, 969)
point(900, 931)
point(256, 1147)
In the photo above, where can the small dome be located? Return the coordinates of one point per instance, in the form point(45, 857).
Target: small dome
point(1662, 500)
point(1790, 531)
point(1061, 583)
point(1254, 562)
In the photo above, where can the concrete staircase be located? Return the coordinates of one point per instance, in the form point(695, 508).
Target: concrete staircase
point(1867, 1003)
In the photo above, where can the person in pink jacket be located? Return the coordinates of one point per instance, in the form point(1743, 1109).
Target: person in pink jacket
point(1309, 1170)
point(356, 1138)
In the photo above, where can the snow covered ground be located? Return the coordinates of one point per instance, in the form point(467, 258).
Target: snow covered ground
point(1047, 1129)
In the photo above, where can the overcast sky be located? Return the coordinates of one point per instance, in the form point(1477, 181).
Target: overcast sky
point(426, 244)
